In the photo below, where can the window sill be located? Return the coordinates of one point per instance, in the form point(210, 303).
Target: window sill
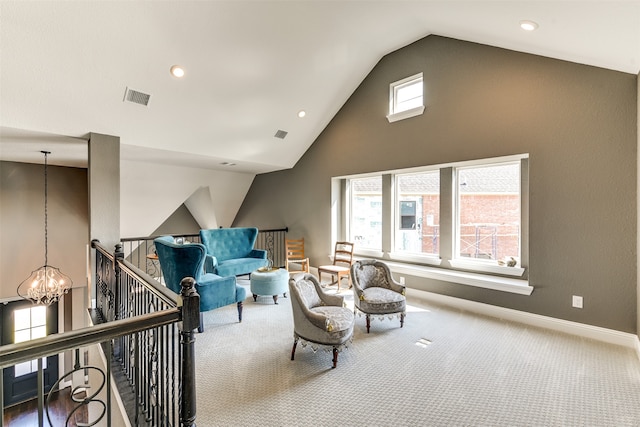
point(487, 268)
point(405, 114)
point(420, 259)
point(504, 284)
point(369, 253)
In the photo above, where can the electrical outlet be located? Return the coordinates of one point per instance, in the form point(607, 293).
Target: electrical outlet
point(577, 301)
point(402, 280)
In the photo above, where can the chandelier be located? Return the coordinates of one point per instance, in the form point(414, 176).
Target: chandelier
point(46, 284)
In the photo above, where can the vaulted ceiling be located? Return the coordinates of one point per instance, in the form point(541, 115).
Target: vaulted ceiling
point(250, 67)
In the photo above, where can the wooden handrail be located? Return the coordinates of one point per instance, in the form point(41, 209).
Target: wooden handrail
point(130, 239)
point(12, 354)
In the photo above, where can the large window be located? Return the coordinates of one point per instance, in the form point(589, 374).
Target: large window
point(488, 212)
point(365, 225)
point(459, 216)
point(418, 215)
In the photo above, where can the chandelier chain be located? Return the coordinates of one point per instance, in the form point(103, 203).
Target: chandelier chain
point(46, 234)
point(47, 284)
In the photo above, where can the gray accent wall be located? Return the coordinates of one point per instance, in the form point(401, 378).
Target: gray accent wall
point(22, 223)
point(577, 123)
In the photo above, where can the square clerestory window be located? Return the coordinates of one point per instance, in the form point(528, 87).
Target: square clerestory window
point(406, 98)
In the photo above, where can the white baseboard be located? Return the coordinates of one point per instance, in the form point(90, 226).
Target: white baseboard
point(610, 336)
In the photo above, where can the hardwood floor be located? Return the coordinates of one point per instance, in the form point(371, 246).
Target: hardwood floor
point(26, 414)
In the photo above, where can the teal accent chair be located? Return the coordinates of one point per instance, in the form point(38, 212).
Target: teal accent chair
point(230, 251)
point(179, 261)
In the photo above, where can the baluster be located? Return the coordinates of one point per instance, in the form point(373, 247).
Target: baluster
point(40, 381)
point(118, 257)
point(1, 399)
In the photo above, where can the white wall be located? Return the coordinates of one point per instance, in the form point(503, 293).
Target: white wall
point(150, 193)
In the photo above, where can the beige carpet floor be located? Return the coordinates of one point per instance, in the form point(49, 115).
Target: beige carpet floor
point(444, 368)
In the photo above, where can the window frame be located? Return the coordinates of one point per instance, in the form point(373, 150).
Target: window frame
point(409, 256)
point(30, 366)
point(445, 264)
point(351, 209)
point(478, 263)
point(394, 113)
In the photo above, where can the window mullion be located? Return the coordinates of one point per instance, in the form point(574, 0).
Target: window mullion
point(524, 213)
point(387, 213)
point(447, 212)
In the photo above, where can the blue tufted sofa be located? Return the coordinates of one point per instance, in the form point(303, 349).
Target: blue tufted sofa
point(180, 261)
point(230, 251)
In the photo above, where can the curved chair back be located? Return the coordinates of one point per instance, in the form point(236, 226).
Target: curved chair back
point(179, 261)
point(229, 243)
point(367, 273)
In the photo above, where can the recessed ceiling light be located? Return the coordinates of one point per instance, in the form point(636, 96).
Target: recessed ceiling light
point(177, 71)
point(528, 25)
point(302, 113)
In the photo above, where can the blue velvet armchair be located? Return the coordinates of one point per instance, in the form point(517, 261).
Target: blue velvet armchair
point(179, 261)
point(230, 251)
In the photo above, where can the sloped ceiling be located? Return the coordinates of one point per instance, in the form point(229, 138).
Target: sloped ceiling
point(250, 67)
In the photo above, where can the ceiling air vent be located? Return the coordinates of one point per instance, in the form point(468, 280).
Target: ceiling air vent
point(136, 97)
point(281, 134)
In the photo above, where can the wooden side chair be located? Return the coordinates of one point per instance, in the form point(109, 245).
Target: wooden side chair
point(342, 260)
point(295, 254)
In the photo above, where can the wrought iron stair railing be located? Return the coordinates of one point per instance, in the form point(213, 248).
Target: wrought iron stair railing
point(147, 337)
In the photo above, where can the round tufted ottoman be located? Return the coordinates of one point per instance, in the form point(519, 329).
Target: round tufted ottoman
point(272, 281)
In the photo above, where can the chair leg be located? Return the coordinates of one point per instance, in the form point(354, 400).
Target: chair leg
point(293, 350)
point(335, 357)
point(240, 305)
point(402, 320)
point(275, 299)
point(368, 322)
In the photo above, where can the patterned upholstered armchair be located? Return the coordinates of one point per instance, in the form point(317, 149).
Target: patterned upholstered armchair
point(179, 261)
point(375, 292)
point(319, 318)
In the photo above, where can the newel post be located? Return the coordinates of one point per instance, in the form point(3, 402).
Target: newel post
point(190, 302)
